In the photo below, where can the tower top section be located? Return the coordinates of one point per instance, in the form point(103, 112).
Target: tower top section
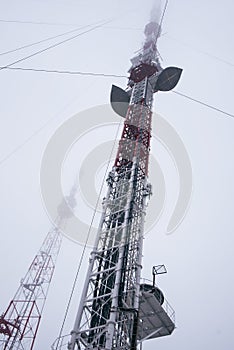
point(146, 66)
point(146, 62)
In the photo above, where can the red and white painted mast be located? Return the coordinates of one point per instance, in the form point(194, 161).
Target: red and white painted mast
point(20, 322)
point(116, 311)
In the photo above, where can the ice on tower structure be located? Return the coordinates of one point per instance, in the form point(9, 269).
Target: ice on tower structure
point(149, 53)
point(118, 311)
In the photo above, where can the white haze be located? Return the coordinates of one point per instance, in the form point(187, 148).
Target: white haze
point(156, 11)
point(199, 254)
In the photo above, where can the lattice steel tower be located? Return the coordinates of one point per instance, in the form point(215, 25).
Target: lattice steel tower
point(117, 311)
point(19, 323)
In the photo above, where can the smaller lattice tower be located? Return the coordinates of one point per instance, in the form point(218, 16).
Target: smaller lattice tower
point(20, 322)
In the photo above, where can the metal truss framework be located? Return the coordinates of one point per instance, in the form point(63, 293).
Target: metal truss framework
point(20, 322)
point(108, 315)
point(110, 312)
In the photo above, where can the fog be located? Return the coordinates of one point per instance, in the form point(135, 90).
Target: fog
point(198, 254)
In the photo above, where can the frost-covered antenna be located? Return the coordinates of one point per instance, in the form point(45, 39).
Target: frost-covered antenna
point(118, 311)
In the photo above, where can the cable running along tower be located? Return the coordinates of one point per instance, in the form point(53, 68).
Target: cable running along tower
point(117, 311)
point(20, 322)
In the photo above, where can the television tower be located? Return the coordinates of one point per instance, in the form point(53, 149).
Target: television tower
point(19, 323)
point(116, 310)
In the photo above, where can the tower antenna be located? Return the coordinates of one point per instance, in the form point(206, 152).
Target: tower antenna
point(117, 310)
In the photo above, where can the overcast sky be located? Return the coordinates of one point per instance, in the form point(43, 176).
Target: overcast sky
point(198, 37)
